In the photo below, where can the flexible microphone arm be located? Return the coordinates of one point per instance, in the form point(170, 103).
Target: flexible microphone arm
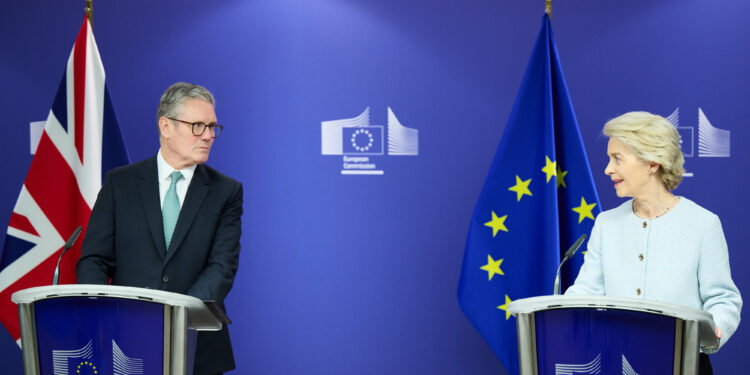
point(67, 246)
point(569, 254)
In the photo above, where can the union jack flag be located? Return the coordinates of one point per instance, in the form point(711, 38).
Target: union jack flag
point(80, 142)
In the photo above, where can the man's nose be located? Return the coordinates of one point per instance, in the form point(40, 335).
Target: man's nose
point(207, 134)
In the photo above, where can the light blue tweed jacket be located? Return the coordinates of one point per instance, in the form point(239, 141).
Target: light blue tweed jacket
point(680, 257)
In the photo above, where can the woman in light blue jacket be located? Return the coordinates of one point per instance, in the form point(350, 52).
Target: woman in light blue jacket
point(657, 246)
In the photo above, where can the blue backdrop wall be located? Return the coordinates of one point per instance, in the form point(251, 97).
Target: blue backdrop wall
point(344, 274)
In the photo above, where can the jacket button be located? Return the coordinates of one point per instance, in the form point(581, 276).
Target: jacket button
point(644, 224)
point(165, 279)
point(640, 257)
point(638, 291)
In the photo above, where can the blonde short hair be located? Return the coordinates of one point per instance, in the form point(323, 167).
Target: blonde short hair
point(653, 139)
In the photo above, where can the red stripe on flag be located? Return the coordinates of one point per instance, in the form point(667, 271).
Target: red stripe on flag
point(79, 85)
point(41, 275)
point(22, 223)
point(53, 186)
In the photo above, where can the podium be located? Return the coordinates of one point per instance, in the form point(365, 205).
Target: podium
point(104, 329)
point(610, 335)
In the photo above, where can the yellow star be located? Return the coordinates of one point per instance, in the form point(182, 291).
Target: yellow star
point(492, 267)
point(505, 307)
point(550, 168)
point(584, 210)
point(521, 188)
point(497, 223)
point(561, 177)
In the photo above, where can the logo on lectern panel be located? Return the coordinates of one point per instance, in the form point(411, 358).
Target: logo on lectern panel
point(63, 359)
point(592, 367)
point(82, 361)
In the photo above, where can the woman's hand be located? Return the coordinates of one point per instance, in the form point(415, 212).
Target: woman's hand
point(718, 332)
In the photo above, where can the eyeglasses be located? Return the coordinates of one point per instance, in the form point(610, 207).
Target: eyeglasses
point(199, 128)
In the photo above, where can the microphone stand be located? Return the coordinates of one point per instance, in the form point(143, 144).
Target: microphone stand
point(68, 245)
point(568, 254)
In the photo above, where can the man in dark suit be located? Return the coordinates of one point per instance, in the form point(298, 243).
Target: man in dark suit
point(171, 222)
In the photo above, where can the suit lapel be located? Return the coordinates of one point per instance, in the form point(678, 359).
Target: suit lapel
point(148, 187)
point(194, 198)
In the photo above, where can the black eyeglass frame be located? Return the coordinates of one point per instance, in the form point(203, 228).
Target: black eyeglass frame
point(199, 124)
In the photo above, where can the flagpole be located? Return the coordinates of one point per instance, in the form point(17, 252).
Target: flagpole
point(90, 11)
point(547, 7)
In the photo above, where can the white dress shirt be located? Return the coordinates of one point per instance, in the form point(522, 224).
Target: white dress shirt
point(165, 179)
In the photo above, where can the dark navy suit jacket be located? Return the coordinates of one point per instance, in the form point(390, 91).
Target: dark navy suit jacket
point(124, 242)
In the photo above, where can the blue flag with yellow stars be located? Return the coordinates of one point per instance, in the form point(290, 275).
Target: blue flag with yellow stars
point(539, 197)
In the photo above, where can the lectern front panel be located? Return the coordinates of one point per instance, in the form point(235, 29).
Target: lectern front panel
point(599, 341)
point(98, 335)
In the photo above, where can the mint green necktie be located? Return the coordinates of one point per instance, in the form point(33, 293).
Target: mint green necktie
point(170, 211)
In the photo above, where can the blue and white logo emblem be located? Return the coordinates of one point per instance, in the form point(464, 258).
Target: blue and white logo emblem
point(358, 141)
point(80, 357)
point(593, 367)
point(363, 141)
point(83, 362)
point(627, 369)
point(124, 365)
point(712, 142)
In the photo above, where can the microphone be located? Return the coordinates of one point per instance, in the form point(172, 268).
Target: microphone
point(67, 246)
point(569, 254)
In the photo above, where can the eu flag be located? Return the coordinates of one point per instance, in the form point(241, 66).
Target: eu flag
point(538, 198)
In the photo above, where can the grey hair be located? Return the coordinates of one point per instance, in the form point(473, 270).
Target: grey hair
point(653, 139)
point(174, 96)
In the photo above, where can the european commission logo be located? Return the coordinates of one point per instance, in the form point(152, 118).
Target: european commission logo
point(82, 361)
point(712, 141)
point(358, 142)
point(593, 367)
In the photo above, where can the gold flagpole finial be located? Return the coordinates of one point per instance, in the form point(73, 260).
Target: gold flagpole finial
point(90, 11)
point(548, 7)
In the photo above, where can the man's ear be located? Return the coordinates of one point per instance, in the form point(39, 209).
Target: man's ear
point(163, 125)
